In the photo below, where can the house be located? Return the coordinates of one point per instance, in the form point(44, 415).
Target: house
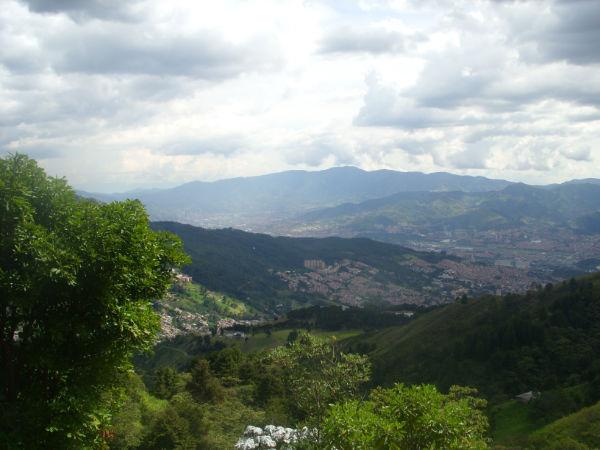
point(526, 397)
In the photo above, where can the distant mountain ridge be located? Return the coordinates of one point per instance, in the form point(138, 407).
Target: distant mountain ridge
point(245, 201)
point(514, 206)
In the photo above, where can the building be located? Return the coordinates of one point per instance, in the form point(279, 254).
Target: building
point(314, 264)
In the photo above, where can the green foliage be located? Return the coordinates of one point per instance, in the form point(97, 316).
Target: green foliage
point(402, 417)
point(195, 298)
point(577, 431)
point(316, 374)
point(165, 382)
point(136, 411)
point(180, 426)
point(541, 340)
point(203, 386)
point(76, 279)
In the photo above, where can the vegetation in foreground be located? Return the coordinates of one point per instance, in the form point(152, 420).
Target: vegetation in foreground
point(76, 278)
point(79, 278)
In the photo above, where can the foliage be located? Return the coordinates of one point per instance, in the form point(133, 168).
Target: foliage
point(580, 430)
point(416, 417)
point(203, 386)
point(541, 340)
point(180, 426)
point(316, 374)
point(165, 382)
point(76, 279)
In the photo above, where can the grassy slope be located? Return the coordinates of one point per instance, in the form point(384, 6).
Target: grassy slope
point(195, 298)
point(262, 341)
point(579, 430)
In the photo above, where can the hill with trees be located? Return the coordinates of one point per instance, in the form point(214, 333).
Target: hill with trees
point(501, 345)
point(275, 274)
point(570, 205)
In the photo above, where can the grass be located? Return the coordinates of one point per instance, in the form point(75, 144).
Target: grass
point(511, 421)
point(578, 430)
point(195, 298)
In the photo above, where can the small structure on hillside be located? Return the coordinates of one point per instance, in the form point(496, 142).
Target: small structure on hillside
point(181, 277)
point(526, 397)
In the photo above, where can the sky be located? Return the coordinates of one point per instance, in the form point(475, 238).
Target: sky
point(129, 95)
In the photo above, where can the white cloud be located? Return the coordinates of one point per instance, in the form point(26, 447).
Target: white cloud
point(119, 95)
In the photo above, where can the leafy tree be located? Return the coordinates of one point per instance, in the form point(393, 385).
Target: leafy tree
point(316, 374)
point(180, 426)
point(76, 279)
point(412, 418)
point(203, 385)
point(165, 383)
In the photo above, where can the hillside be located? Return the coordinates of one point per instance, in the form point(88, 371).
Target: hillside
point(274, 274)
point(254, 201)
point(579, 430)
point(548, 230)
point(517, 205)
point(504, 346)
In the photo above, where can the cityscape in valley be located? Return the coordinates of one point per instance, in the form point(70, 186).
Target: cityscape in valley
point(300, 225)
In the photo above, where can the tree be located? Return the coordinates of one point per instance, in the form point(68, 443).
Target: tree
point(412, 418)
point(180, 426)
point(165, 382)
point(77, 278)
point(203, 385)
point(316, 374)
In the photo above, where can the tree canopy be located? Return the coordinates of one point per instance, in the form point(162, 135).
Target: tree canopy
point(77, 278)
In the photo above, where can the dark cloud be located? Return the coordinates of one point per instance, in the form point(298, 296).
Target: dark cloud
point(86, 9)
point(384, 107)
point(203, 55)
point(36, 151)
point(362, 40)
point(569, 32)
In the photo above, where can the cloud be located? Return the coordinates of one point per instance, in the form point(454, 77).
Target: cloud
point(560, 31)
point(314, 151)
point(215, 145)
point(385, 107)
point(117, 95)
point(362, 40)
point(86, 9)
point(577, 154)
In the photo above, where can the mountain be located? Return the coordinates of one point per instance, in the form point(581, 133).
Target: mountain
point(551, 229)
point(516, 205)
point(251, 201)
point(275, 274)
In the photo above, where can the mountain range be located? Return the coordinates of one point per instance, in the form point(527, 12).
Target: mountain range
point(251, 201)
point(572, 205)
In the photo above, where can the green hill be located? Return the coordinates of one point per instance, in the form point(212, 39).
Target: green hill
point(543, 340)
point(519, 205)
point(577, 431)
point(250, 266)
